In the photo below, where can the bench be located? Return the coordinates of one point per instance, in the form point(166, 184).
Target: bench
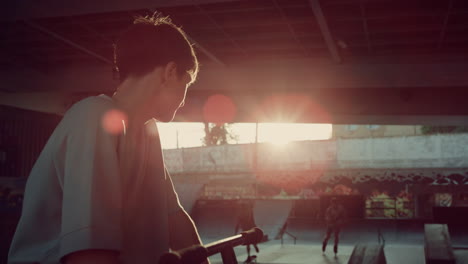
point(368, 254)
point(437, 244)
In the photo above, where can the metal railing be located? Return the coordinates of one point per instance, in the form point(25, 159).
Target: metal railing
point(285, 231)
point(197, 254)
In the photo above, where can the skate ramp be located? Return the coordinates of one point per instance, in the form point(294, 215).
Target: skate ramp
point(271, 215)
point(215, 219)
point(188, 194)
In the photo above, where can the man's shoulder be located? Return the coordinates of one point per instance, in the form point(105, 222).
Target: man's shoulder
point(89, 109)
point(89, 113)
point(94, 104)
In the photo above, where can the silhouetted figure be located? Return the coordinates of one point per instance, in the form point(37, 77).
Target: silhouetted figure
point(334, 216)
point(245, 221)
point(100, 192)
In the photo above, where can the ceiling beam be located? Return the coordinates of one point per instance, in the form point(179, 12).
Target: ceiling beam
point(323, 25)
point(293, 76)
point(244, 10)
point(208, 53)
point(334, 106)
point(68, 42)
point(392, 16)
point(226, 35)
point(276, 22)
point(331, 93)
point(30, 9)
point(291, 29)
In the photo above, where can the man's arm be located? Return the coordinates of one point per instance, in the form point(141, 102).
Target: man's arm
point(90, 162)
point(183, 232)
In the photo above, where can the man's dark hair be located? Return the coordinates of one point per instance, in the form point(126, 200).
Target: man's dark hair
point(154, 41)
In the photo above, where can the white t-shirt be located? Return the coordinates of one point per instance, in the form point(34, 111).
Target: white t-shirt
point(91, 189)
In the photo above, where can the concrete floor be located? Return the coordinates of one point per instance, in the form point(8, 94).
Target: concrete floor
point(274, 252)
point(404, 244)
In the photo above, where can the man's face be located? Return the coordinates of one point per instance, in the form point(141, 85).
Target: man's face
point(171, 95)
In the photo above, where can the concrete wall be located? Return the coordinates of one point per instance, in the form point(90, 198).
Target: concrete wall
point(371, 131)
point(226, 158)
point(437, 151)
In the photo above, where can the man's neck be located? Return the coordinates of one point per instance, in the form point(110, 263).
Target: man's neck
point(130, 98)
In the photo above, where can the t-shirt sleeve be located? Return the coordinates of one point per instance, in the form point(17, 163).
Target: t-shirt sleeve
point(91, 202)
point(173, 204)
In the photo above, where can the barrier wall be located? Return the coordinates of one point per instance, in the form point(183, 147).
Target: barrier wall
point(437, 151)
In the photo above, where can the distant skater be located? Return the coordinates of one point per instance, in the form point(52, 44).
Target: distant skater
point(334, 216)
point(245, 221)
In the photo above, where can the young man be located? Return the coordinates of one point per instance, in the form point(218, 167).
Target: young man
point(99, 191)
point(334, 216)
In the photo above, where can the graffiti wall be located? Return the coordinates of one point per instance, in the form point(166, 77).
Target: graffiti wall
point(443, 199)
point(380, 204)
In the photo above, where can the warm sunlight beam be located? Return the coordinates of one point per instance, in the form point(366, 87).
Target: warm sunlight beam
point(283, 133)
point(185, 135)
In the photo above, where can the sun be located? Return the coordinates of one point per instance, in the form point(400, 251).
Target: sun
point(277, 134)
point(280, 134)
point(279, 143)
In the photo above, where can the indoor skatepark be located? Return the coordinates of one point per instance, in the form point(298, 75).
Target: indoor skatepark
point(368, 68)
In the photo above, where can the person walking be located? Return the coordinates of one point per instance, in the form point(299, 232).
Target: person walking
point(334, 217)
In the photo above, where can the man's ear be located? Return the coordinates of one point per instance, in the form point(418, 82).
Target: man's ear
point(170, 71)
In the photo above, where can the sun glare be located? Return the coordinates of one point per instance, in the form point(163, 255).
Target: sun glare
point(282, 133)
point(184, 135)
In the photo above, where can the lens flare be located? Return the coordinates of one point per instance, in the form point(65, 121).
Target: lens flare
point(219, 109)
point(114, 121)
